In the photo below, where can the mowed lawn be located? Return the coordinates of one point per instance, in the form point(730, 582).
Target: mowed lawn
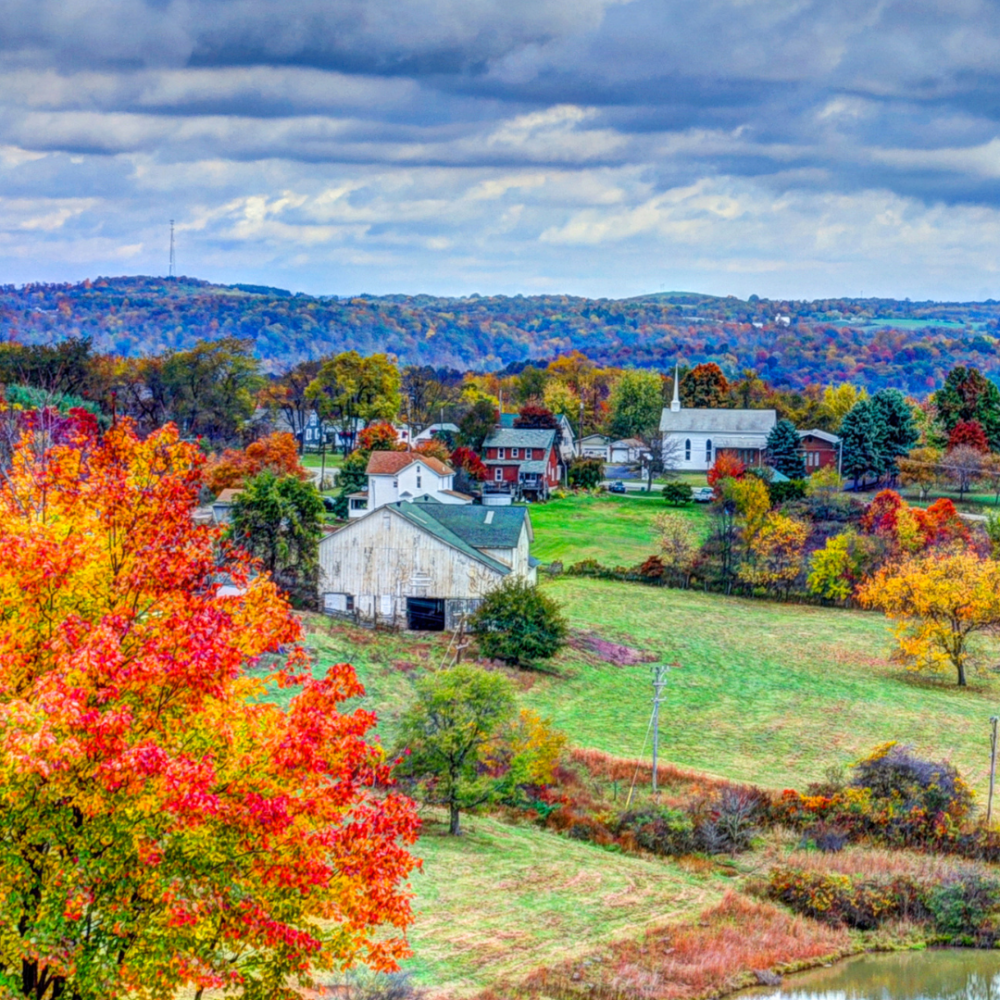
point(502, 900)
point(615, 530)
point(765, 692)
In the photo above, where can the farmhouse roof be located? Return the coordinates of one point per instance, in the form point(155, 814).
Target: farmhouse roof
point(228, 496)
point(425, 517)
point(484, 527)
point(822, 435)
point(391, 463)
point(710, 421)
point(520, 437)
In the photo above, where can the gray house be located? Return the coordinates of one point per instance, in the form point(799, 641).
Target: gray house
point(422, 565)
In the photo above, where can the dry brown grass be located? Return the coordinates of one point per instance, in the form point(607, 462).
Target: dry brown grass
point(875, 862)
point(611, 768)
point(712, 956)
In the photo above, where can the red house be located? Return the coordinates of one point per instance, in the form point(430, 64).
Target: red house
point(819, 450)
point(522, 464)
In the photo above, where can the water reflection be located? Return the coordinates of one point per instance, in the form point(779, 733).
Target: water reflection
point(946, 974)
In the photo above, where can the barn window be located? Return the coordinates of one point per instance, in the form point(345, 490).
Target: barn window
point(515, 452)
point(687, 450)
point(418, 480)
point(708, 451)
point(498, 475)
point(395, 484)
point(501, 452)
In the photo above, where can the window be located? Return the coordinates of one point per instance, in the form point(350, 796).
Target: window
point(418, 480)
point(395, 484)
point(708, 451)
point(501, 452)
point(687, 450)
point(514, 452)
point(498, 475)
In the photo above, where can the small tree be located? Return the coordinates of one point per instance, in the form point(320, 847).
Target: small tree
point(277, 519)
point(677, 493)
point(464, 743)
point(937, 603)
point(726, 466)
point(971, 433)
point(963, 466)
point(678, 545)
point(476, 423)
point(518, 624)
point(586, 473)
point(921, 468)
point(534, 417)
point(469, 469)
point(636, 403)
point(784, 450)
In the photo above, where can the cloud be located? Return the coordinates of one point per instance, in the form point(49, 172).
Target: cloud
point(459, 145)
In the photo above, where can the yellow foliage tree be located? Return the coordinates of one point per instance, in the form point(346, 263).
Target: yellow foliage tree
point(838, 401)
point(938, 604)
point(774, 556)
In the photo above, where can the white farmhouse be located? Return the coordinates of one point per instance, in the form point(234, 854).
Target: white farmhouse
point(422, 565)
point(405, 475)
point(693, 438)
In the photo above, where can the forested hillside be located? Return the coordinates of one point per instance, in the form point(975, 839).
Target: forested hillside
point(871, 342)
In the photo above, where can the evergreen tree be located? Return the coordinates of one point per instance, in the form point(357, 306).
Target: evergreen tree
point(860, 435)
point(968, 395)
point(897, 430)
point(784, 450)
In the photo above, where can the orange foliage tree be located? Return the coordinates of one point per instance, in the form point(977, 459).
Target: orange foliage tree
point(278, 453)
point(938, 603)
point(163, 826)
point(726, 466)
point(434, 448)
point(380, 436)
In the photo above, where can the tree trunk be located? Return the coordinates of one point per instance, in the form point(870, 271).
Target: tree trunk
point(961, 673)
point(454, 829)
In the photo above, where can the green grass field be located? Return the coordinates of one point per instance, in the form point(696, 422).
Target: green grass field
point(503, 900)
point(765, 692)
point(613, 529)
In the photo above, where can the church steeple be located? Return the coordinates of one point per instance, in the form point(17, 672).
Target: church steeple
point(675, 403)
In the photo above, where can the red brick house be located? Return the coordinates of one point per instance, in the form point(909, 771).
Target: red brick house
point(522, 464)
point(819, 450)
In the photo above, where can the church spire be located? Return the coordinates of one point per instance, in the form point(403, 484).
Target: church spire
point(675, 403)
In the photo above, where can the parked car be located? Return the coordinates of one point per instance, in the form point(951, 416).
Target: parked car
point(702, 494)
point(617, 487)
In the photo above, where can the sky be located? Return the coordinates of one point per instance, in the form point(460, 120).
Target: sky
point(787, 148)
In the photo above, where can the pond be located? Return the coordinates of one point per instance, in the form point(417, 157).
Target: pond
point(937, 974)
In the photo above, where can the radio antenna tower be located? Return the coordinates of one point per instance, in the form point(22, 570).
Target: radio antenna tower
point(173, 262)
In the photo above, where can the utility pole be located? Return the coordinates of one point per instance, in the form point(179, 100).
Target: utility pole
point(993, 766)
point(173, 261)
point(659, 680)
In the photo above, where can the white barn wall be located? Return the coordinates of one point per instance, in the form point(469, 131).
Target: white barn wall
point(381, 559)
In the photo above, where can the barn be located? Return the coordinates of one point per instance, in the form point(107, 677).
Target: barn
point(422, 565)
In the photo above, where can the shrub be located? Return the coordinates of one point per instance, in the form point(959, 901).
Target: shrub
point(677, 493)
point(794, 489)
point(962, 908)
point(659, 830)
point(894, 774)
point(586, 473)
point(519, 624)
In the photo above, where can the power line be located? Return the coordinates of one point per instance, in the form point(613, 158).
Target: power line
point(173, 262)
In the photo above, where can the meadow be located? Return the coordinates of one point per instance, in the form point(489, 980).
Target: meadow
point(616, 530)
point(769, 693)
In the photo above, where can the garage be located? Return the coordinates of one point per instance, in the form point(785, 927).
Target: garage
point(425, 614)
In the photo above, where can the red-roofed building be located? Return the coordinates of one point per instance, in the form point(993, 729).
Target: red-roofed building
point(405, 475)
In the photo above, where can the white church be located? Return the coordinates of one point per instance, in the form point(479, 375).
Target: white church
point(692, 438)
